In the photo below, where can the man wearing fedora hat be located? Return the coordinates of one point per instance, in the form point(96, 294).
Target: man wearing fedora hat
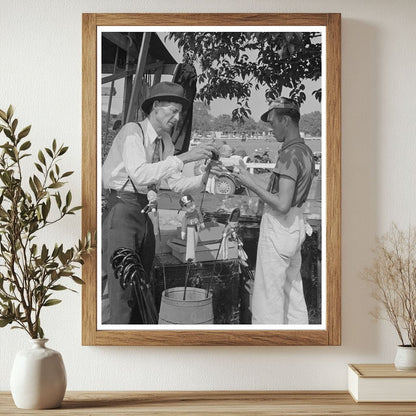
point(141, 156)
point(278, 291)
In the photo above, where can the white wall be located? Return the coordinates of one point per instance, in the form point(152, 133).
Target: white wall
point(40, 74)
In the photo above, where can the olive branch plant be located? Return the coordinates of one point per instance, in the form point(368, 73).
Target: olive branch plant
point(393, 278)
point(30, 274)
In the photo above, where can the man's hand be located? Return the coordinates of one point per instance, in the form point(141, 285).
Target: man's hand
point(200, 152)
point(280, 201)
point(215, 167)
point(244, 176)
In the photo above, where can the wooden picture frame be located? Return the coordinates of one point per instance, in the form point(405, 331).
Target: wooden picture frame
point(330, 333)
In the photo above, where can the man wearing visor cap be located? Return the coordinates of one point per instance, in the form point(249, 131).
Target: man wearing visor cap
point(278, 291)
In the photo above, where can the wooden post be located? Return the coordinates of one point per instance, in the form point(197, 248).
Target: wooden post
point(141, 62)
point(110, 100)
point(128, 81)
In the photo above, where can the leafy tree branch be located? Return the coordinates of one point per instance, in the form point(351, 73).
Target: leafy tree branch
point(30, 274)
point(232, 63)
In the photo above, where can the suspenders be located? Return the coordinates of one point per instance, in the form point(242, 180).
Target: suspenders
point(129, 179)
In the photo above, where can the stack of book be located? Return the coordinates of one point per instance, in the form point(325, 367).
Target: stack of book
point(381, 383)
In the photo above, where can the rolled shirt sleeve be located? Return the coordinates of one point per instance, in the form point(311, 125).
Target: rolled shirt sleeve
point(131, 157)
point(140, 170)
point(182, 184)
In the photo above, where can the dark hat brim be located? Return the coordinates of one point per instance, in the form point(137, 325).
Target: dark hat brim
point(147, 104)
point(283, 111)
point(264, 116)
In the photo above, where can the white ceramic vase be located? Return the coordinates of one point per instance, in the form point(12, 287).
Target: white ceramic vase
point(38, 377)
point(405, 358)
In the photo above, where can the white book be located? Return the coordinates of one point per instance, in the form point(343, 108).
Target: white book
point(381, 383)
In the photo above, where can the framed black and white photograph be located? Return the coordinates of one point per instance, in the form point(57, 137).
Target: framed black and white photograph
point(211, 172)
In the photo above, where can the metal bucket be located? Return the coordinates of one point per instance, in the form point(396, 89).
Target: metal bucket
point(196, 309)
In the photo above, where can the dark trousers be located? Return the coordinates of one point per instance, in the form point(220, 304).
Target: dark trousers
point(124, 226)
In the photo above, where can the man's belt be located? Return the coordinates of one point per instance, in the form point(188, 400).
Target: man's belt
point(127, 195)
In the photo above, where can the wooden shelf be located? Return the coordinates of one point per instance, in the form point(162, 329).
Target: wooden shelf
point(318, 403)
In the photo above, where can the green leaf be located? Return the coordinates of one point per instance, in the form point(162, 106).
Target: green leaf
point(33, 187)
point(34, 226)
point(77, 208)
point(14, 125)
point(3, 115)
point(78, 280)
point(5, 321)
point(39, 167)
point(62, 257)
point(37, 183)
point(24, 132)
point(25, 145)
point(49, 152)
point(44, 253)
point(45, 210)
point(24, 155)
point(54, 145)
point(41, 157)
point(68, 198)
point(67, 174)
point(40, 331)
point(56, 185)
point(58, 199)
point(63, 150)
point(57, 250)
point(51, 302)
point(10, 112)
point(8, 133)
point(5, 298)
point(59, 287)
point(66, 273)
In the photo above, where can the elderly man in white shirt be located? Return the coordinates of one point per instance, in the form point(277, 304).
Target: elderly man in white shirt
point(141, 156)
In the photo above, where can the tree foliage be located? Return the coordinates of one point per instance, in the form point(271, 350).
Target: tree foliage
point(311, 123)
point(30, 274)
point(204, 122)
point(233, 63)
point(202, 119)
